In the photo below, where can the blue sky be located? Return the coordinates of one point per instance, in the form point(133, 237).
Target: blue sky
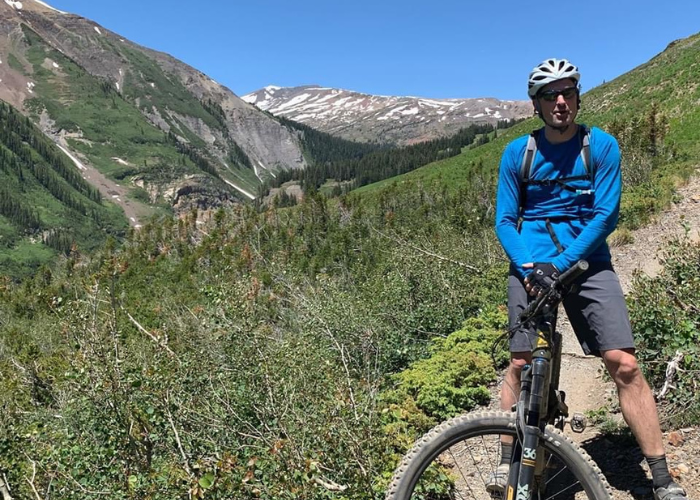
point(439, 48)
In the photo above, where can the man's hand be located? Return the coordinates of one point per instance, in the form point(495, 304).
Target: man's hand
point(541, 278)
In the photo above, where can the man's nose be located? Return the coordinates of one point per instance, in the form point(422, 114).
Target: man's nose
point(560, 100)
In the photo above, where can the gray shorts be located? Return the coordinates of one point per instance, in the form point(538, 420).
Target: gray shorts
point(597, 312)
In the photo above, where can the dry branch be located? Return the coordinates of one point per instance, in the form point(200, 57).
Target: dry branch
point(31, 481)
point(330, 485)
point(683, 305)
point(424, 251)
point(161, 342)
point(177, 437)
point(671, 370)
point(5, 488)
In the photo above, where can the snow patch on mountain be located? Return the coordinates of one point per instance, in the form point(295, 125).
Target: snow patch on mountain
point(240, 189)
point(48, 6)
point(120, 161)
point(77, 162)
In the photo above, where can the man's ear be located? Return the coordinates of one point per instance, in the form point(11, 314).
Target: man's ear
point(536, 107)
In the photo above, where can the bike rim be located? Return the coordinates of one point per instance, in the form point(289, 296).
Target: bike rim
point(461, 469)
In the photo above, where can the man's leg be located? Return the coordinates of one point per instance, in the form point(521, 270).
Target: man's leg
point(510, 390)
point(520, 347)
point(639, 410)
point(636, 400)
point(521, 342)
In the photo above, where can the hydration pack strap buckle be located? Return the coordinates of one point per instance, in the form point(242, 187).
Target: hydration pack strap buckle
point(553, 235)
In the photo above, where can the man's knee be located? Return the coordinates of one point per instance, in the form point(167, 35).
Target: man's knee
point(623, 367)
point(517, 363)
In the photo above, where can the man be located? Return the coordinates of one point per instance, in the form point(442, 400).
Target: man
point(561, 212)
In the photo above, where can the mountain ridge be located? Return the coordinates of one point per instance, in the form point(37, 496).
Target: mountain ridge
point(152, 134)
point(203, 114)
point(401, 120)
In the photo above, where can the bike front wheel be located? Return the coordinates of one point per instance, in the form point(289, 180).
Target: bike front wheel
point(456, 459)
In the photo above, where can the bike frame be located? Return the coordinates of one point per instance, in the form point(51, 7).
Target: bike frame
point(533, 412)
point(540, 402)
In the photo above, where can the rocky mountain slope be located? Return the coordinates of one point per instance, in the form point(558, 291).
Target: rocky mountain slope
point(372, 118)
point(147, 121)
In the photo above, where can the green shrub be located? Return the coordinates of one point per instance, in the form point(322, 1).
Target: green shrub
point(666, 319)
point(455, 377)
point(140, 194)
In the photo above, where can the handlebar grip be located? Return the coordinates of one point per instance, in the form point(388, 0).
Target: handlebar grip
point(565, 279)
point(568, 276)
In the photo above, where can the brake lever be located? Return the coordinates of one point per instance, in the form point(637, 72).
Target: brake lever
point(541, 305)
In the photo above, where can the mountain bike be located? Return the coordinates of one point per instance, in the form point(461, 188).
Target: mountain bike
point(455, 459)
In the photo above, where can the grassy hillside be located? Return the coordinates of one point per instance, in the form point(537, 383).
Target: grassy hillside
point(46, 207)
point(101, 122)
point(668, 81)
point(104, 126)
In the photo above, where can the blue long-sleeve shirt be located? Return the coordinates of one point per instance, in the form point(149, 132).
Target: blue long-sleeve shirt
point(581, 222)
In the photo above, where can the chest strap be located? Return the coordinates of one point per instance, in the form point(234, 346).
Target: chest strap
point(529, 157)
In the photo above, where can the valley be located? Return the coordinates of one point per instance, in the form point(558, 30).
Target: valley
point(166, 334)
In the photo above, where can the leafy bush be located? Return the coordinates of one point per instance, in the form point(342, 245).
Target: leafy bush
point(455, 377)
point(666, 318)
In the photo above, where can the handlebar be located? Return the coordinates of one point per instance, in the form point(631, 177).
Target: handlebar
point(568, 276)
point(564, 280)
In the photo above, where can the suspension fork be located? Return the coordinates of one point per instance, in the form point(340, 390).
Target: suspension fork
point(531, 419)
point(521, 428)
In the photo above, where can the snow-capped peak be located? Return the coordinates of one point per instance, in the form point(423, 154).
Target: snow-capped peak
point(365, 117)
point(16, 4)
point(49, 7)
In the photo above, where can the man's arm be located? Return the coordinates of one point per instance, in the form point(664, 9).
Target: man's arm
point(507, 208)
point(607, 183)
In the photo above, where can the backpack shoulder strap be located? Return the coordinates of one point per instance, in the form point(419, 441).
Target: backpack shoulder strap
point(526, 166)
point(529, 156)
point(586, 151)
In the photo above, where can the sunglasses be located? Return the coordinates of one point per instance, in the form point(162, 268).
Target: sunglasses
point(553, 95)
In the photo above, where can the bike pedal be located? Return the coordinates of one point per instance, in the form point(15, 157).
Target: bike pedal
point(578, 423)
point(559, 423)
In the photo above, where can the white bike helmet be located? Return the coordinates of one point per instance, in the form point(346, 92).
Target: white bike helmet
point(549, 71)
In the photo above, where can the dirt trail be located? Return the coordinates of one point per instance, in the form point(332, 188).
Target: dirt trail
point(588, 389)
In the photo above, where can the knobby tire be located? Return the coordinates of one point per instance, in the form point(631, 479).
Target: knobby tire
point(466, 449)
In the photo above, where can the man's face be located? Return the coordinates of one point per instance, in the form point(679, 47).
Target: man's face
point(557, 103)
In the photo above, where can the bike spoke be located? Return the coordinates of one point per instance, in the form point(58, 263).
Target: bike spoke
point(462, 472)
point(470, 462)
point(572, 485)
point(460, 460)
